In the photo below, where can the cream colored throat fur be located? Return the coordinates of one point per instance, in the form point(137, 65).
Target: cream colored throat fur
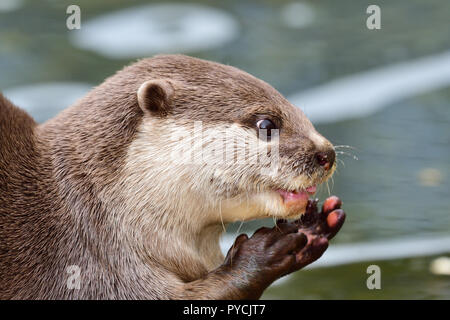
point(167, 197)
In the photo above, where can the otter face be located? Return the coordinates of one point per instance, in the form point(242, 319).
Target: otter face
point(280, 185)
point(224, 142)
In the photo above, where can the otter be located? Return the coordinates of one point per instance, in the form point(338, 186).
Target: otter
point(98, 190)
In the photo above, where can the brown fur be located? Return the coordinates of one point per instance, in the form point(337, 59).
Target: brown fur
point(57, 207)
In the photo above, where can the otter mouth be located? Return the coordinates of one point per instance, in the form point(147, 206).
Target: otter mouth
point(297, 198)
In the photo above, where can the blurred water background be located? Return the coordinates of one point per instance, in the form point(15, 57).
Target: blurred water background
point(385, 93)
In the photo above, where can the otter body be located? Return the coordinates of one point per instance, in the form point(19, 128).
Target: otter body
point(93, 204)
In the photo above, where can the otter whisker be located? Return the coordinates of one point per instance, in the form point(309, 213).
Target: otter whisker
point(320, 188)
point(344, 146)
point(239, 228)
point(275, 223)
point(221, 218)
point(248, 200)
point(341, 161)
point(336, 172)
point(347, 154)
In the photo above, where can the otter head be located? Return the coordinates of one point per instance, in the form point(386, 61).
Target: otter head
point(218, 144)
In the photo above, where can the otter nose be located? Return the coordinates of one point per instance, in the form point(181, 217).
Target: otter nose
point(326, 158)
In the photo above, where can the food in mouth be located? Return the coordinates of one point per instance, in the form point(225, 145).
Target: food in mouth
point(297, 199)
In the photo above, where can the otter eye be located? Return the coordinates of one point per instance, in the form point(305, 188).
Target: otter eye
point(266, 124)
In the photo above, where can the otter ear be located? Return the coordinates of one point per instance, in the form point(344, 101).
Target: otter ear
point(154, 96)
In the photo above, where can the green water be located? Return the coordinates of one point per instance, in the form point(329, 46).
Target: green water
point(401, 279)
point(398, 187)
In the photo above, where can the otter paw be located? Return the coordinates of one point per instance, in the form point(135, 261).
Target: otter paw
point(269, 254)
point(319, 227)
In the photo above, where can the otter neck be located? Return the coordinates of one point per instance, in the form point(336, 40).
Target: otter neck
point(180, 235)
point(191, 238)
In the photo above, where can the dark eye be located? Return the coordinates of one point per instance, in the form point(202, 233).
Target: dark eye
point(266, 124)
